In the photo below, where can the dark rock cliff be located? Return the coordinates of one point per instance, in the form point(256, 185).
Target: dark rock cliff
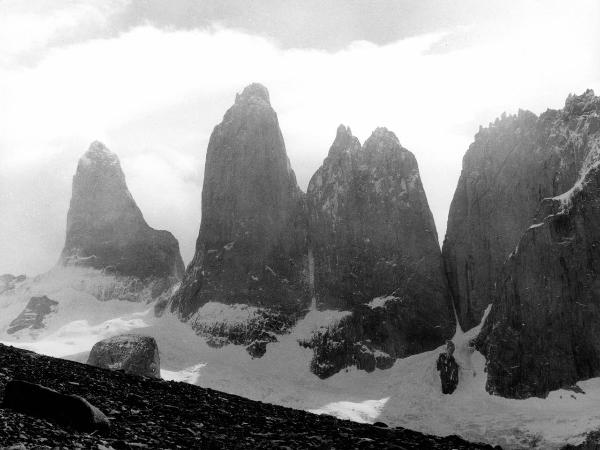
point(106, 230)
point(371, 236)
point(513, 165)
point(542, 332)
point(251, 248)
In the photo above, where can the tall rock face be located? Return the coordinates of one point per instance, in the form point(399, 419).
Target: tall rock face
point(375, 252)
point(107, 231)
point(510, 168)
point(543, 331)
point(251, 248)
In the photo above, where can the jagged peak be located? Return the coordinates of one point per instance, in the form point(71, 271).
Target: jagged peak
point(254, 91)
point(344, 141)
point(506, 122)
point(383, 135)
point(98, 153)
point(343, 130)
point(581, 104)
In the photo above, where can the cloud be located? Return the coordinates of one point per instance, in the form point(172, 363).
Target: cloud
point(153, 96)
point(28, 28)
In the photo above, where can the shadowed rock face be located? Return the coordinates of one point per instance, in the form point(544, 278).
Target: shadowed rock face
point(132, 353)
point(67, 410)
point(543, 331)
point(251, 247)
point(372, 235)
point(106, 230)
point(509, 169)
point(33, 315)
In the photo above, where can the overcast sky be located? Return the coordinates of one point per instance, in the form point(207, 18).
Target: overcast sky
point(151, 79)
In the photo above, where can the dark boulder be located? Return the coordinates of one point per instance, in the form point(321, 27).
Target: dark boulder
point(67, 410)
point(448, 369)
point(381, 425)
point(131, 353)
point(106, 230)
point(33, 315)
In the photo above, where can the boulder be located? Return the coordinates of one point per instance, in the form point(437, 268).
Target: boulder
point(107, 231)
point(132, 353)
point(33, 315)
point(67, 410)
point(448, 369)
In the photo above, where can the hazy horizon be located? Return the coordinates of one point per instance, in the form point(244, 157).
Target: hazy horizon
point(151, 81)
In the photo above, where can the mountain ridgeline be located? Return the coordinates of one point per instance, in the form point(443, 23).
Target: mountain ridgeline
point(363, 231)
point(522, 236)
point(361, 248)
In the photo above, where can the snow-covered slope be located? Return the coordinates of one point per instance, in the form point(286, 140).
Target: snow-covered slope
point(407, 395)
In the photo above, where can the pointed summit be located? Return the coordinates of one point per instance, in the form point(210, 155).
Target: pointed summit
point(254, 91)
point(251, 244)
point(344, 141)
point(105, 228)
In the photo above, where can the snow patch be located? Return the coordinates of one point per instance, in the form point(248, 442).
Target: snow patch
point(592, 161)
point(363, 412)
point(407, 395)
point(380, 302)
point(215, 312)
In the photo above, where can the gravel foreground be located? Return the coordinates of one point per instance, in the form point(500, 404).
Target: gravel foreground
point(150, 413)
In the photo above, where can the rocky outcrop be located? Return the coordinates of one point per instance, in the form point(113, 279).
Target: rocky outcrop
point(132, 353)
point(8, 282)
point(33, 315)
point(374, 251)
point(67, 410)
point(510, 168)
point(107, 231)
point(542, 331)
point(251, 248)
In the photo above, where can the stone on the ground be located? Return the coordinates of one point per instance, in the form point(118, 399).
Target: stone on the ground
point(70, 410)
point(448, 368)
point(131, 353)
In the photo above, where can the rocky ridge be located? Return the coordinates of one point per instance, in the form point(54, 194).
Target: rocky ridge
point(33, 315)
point(150, 413)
